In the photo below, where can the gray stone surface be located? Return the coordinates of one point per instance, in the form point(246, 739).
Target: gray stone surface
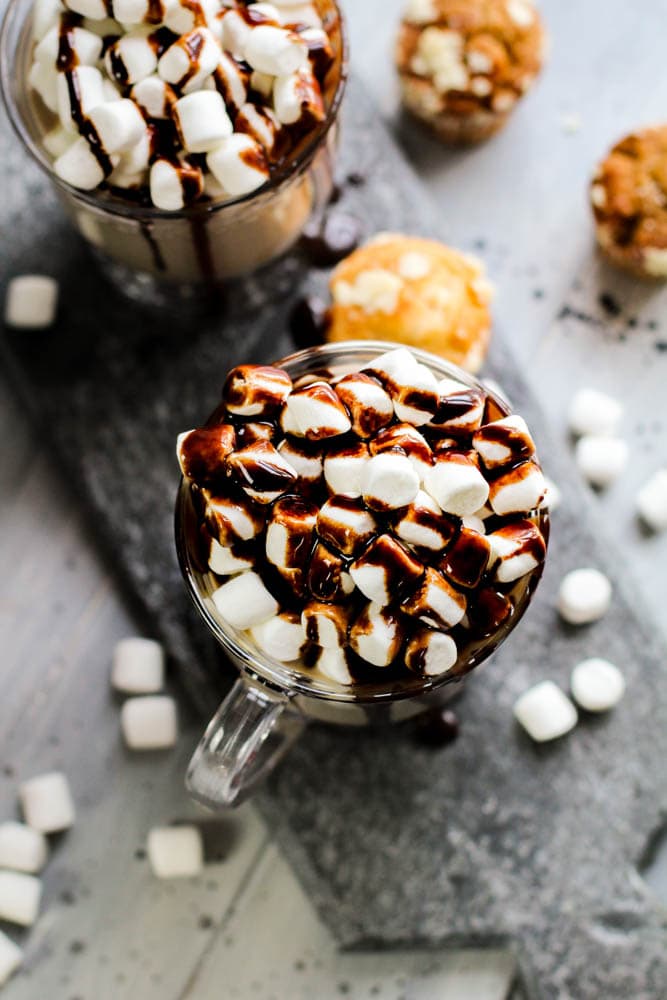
point(490, 840)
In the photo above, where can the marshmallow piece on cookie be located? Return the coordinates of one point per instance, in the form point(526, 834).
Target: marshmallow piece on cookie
point(297, 96)
point(503, 441)
point(584, 596)
point(79, 167)
point(406, 439)
point(466, 560)
point(517, 548)
point(22, 849)
point(202, 453)
point(545, 712)
point(518, 491)
point(344, 523)
point(385, 570)
point(231, 520)
point(149, 722)
point(435, 602)
point(460, 407)
point(131, 58)
point(652, 501)
point(594, 412)
point(274, 50)
point(597, 685)
point(456, 484)
point(261, 471)
point(155, 97)
point(317, 412)
point(328, 579)
point(190, 59)
point(119, 125)
point(601, 459)
point(174, 186)
point(11, 958)
point(47, 803)
point(430, 654)
point(175, 851)
point(389, 481)
point(281, 637)
point(377, 635)
point(423, 525)
point(202, 120)
point(86, 83)
point(344, 468)
point(369, 406)
point(332, 663)
point(255, 390)
point(239, 164)
point(31, 301)
point(138, 666)
point(243, 601)
point(326, 624)
point(20, 896)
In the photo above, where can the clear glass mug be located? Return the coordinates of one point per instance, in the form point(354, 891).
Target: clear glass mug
point(271, 702)
point(159, 257)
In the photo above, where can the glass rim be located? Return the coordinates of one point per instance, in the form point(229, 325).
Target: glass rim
point(281, 675)
point(116, 206)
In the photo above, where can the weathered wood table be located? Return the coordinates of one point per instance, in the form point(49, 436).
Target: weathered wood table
point(108, 929)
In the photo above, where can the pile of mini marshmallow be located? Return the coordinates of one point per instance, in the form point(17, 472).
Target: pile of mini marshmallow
point(419, 569)
point(230, 81)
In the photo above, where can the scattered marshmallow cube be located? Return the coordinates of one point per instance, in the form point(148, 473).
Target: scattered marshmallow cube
point(584, 596)
point(11, 958)
point(652, 501)
point(594, 412)
point(138, 666)
point(597, 685)
point(202, 120)
point(22, 849)
point(175, 851)
point(20, 896)
point(47, 802)
point(545, 712)
point(149, 722)
point(601, 459)
point(244, 602)
point(31, 301)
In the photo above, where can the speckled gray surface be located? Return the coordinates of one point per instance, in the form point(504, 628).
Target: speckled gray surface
point(488, 840)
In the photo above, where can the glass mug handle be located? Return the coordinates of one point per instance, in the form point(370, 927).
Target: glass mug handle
point(249, 734)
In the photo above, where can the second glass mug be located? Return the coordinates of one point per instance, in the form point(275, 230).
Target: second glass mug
point(271, 702)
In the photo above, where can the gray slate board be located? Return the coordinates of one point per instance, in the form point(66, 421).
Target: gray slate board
point(489, 840)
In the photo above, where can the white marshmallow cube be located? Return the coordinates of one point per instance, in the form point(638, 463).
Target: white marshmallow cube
point(597, 685)
point(221, 560)
point(118, 124)
point(169, 184)
point(149, 722)
point(274, 50)
point(154, 95)
point(11, 958)
point(244, 601)
point(545, 712)
point(132, 11)
point(175, 851)
point(431, 654)
point(344, 469)
point(235, 33)
point(552, 496)
point(22, 849)
point(594, 412)
point(44, 81)
point(281, 637)
point(20, 896)
point(79, 167)
point(179, 66)
point(138, 666)
point(202, 120)
point(369, 406)
point(652, 501)
point(96, 10)
point(425, 383)
point(518, 548)
point(47, 802)
point(376, 636)
point(135, 54)
point(88, 84)
point(31, 302)
point(333, 664)
point(45, 14)
point(389, 481)
point(518, 491)
point(239, 164)
point(601, 459)
point(85, 44)
point(296, 95)
point(584, 596)
point(457, 487)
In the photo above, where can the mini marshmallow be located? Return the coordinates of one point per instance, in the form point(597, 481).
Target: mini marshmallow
point(597, 685)
point(518, 491)
point(601, 459)
point(652, 501)
point(96, 10)
point(118, 124)
point(503, 441)
point(202, 453)
point(518, 548)
point(406, 439)
point(416, 401)
point(344, 523)
point(327, 576)
point(45, 14)
point(377, 635)
point(202, 120)
point(584, 596)
point(239, 164)
point(235, 32)
point(259, 123)
point(300, 13)
point(460, 407)
point(193, 57)
point(430, 654)
point(255, 390)
point(308, 465)
point(232, 81)
point(593, 412)
point(298, 96)
point(274, 50)
point(545, 712)
point(344, 468)
point(135, 11)
point(466, 560)
point(181, 18)
point(175, 851)
point(47, 802)
point(243, 601)
point(394, 368)
point(456, 484)
point(389, 481)
point(86, 45)
point(385, 570)
point(435, 602)
point(20, 896)
point(290, 536)
point(332, 663)
point(149, 722)
point(320, 50)
point(86, 83)
point(317, 412)
point(79, 167)
point(22, 849)
point(261, 471)
point(172, 187)
point(131, 58)
point(154, 96)
point(262, 83)
point(44, 81)
point(475, 523)
point(230, 520)
point(31, 301)
point(280, 637)
point(423, 525)
point(11, 958)
point(325, 624)
point(132, 169)
point(138, 666)
point(369, 406)
point(223, 562)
